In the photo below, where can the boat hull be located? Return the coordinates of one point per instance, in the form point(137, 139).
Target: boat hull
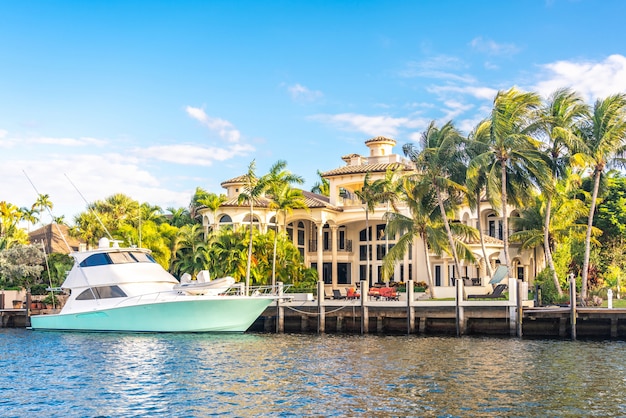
point(225, 314)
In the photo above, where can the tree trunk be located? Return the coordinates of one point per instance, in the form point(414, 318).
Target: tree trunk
point(449, 232)
point(431, 286)
point(505, 218)
point(482, 237)
point(546, 246)
point(249, 250)
point(585, 274)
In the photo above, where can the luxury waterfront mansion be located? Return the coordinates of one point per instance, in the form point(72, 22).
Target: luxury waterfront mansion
point(331, 234)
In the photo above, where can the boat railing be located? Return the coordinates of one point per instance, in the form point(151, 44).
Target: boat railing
point(238, 289)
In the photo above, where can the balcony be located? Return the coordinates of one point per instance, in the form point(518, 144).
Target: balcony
point(342, 246)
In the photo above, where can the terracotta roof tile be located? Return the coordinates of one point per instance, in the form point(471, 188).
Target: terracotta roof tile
point(380, 139)
point(366, 168)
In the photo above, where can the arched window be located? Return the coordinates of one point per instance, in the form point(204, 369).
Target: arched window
point(226, 221)
point(273, 225)
point(255, 221)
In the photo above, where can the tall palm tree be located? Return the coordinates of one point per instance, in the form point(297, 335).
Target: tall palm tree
point(440, 163)
point(477, 144)
point(278, 183)
point(370, 197)
point(604, 145)
point(560, 118)
point(252, 190)
point(512, 161)
point(424, 223)
point(284, 200)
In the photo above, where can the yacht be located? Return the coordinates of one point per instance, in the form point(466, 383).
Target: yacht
point(126, 290)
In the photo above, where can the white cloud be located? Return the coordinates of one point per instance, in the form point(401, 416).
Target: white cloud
point(371, 125)
point(592, 80)
point(440, 67)
point(301, 93)
point(454, 108)
point(68, 142)
point(194, 154)
point(491, 47)
point(221, 127)
point(95, 176)
point(483, 93)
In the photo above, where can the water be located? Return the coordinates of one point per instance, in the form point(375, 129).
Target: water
point(198, 375)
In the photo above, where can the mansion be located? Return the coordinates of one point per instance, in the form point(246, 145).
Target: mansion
point(331, 234)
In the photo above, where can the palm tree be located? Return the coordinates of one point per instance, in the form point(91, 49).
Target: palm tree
point(560, 117)
point(424, 223)
point(370, 197)
point(252, 190)
point(278, 185)
point(604, 145)
point(440, 164)
point(195, 204)
point(178, 217)
point(512, 161)
point(30, 215)
point(213, 202)
point(322, 186)
point(284, 200)
point(189, 251)
point(227, 253)
point(42, 203)
point(477, 144)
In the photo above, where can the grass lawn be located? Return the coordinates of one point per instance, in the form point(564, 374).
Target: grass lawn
point(617, 303)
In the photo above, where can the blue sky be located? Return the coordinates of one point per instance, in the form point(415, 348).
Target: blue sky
point(155, 98)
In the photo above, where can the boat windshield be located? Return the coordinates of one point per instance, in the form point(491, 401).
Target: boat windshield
point(122, 257)
point(101, 292)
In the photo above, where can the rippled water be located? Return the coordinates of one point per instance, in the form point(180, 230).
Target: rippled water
point(120, 375)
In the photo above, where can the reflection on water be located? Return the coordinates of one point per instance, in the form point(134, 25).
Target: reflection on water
point(82, 374)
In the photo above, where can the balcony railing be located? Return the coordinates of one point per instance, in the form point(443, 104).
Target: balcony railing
point(342, 246)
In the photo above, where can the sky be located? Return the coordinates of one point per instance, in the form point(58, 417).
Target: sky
point(155, 98)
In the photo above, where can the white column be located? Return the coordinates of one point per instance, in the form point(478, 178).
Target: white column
point(333, 243)
point(320, 251)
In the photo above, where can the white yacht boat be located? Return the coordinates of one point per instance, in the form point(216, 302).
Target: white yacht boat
point(124, 289)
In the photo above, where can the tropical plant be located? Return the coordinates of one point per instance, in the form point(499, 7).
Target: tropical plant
point(477, 143)
point(604, 146)
point(213, 202)
point(322, 186)
point(370, 197)
point(253, 189)
point(424, 223)
point(560, 119)
point(513, 164)
point(284, 199)
point(440, 163)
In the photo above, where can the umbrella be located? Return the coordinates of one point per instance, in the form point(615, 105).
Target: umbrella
point(499, 275)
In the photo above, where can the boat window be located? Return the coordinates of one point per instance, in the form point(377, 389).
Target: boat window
point(102, 292)
point(121, 258)
point(143, 257)
point(98, 259)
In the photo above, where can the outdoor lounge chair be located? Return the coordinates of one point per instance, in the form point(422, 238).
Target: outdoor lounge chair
point(337, 294)
point(497, 293)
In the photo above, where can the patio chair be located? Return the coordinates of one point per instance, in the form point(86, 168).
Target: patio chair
point(497, 293)
point(337, 294)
